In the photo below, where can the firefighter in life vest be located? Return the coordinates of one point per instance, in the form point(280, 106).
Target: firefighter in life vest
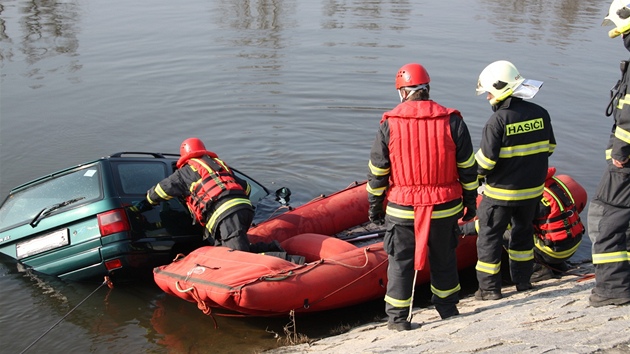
point(609, 210)
point(513, 157)
point(422, 161)
point(215, 196)
point(558, 229)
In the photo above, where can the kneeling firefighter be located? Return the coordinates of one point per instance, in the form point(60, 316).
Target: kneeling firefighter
point(558, 229)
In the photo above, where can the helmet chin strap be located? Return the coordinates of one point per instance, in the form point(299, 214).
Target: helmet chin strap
point(407, 94)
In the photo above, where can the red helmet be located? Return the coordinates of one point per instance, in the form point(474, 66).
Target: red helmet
point(578, 192)
point(412, 74)
point(190, 145)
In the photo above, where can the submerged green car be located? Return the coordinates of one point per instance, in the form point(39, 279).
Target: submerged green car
point(76, 223)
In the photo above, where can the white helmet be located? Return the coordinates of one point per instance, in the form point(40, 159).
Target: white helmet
point(500, 79)
point(618, 16)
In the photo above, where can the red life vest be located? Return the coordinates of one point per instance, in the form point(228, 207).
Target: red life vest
point(216, 180)
point(559, 217)
point(422, 154)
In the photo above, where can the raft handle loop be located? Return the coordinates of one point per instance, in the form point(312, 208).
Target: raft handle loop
point(183, 290)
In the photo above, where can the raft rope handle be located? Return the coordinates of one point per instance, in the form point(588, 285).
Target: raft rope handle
point(367, 260)
point(350, 283)
point(201, 305)
point(106, 281)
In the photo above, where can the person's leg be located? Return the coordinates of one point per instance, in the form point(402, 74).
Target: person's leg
point(607, 228)
point(493, 221)
point(233, 230)
point(521, 245)
point(399, 243)
point(443, 265)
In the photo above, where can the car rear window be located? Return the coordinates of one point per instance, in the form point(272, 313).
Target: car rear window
point(138, 177)
point(72, 188)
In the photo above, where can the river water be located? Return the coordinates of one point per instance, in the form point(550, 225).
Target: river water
point(289, 92)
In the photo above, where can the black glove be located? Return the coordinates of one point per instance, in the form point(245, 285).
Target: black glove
point(376, 213)
point(141, 206)
point(471, 212)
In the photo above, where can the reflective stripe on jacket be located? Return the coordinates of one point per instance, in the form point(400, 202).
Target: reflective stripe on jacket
point(513, 155)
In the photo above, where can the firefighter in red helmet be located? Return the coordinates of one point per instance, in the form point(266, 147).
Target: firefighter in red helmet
point(422, 162)
point(215, 196)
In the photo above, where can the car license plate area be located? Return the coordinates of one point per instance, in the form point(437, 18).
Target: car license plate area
point(42, 243)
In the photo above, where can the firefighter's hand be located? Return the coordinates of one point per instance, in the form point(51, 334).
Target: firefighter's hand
point(471, 212)
point(376, 214)
point(141, 206)
point(618, 163)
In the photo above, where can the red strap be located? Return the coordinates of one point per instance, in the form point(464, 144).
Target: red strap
point(422, 226)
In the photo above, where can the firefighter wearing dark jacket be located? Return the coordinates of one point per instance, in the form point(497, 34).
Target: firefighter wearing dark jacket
point(422, 160)
point(609, 211)
point(215, 196)
point(513, 158)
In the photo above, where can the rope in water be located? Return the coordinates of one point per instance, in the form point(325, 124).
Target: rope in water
point(106, 281)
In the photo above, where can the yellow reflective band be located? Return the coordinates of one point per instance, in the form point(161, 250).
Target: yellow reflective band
point(521, 256)
point(552, 147)
point(445, 293)
point(377, 171)
point(610, 257)
point(222, 164)
point(436, 214)
point(545, 202)
point(551, 253)
point(524, 127)
point(161, 193)
point(193, 186)
point(524, 150)
point(489, 268)
point(204, 165)
point(375, 191)
point(396, 302)
point(399, 213)
point(149, 199)
point(519, 194)
point(483, 161)
point(609, 154)
point(470, 162)
point(225, 206)
point(471, 186)
point(622, 135)
point(624, 100)
point(440, 214)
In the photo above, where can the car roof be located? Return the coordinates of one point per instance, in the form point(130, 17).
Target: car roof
point(135, 155)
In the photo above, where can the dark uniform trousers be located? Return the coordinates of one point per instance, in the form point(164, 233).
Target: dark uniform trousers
point(232, 231)
point(608, 228)
point(493, 221)
point(399, 243)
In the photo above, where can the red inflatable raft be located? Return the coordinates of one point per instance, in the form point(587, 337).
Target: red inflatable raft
point(341, 268)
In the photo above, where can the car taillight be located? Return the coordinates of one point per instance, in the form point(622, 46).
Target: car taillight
point(112, 222)
point(113, 264)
